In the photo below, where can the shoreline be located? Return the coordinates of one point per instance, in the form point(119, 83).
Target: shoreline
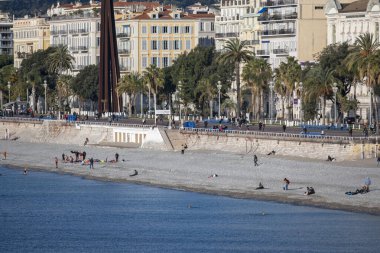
point(237, 178)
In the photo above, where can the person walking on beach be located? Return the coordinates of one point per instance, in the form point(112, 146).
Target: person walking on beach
point(5, 155)
point(63, 157)
point(117, 157)
point(56, 162)
point(255, 160)
point(286, 184)
point(91, 163)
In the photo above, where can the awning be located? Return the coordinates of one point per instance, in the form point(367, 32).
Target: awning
point(263, 10)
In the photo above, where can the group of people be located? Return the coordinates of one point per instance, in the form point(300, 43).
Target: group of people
point(84, 161)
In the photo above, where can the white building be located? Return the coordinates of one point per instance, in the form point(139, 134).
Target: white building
point(6, 35)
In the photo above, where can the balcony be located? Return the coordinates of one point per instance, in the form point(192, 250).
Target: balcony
point(123, 35)
point(252, 42)
point(226, 35)
point(79, 48)
point(272, 3)
point(22, 55)
point(123, 51)
point(125, 68)
point(281, 51)
point(262, 52)
point(275, 32)
point(276, 17)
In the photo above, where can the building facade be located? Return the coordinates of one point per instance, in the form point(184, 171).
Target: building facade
point(6, 35)
point(345, 23)
point(29, 35)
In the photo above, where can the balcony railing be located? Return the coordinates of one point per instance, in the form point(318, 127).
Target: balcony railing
point(262, 52)
point(278, 32)
point(270, 3)
point(123, 35)
point(226, 35)
point(276, 17)
point(252, 42)
point(280, 51)
point(123, 51)
point(79, 48)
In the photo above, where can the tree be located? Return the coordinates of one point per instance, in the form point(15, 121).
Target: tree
point(130, 84)
point(318, 84)
point(153, 77)
point(361, 58)
point(60, 60)
point(290, 73)
point(206, 92)
point(257, 72)
point(236, 52)
point(85, 83)
point(63, 89)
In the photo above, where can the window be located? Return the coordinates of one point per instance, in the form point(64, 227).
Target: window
point(165, 45)
point(143, 29)
point(377, 31)
point(188, 44)
point(202, 27)
point(212, 26)
point(143, 45)
point(154, 61)
point(318, 7)
point(154, 45)
point(165, 62)
point(144, 62)
point(187, 29)
point(177, 45)
point(176, 29)
point(154, 29)
point(164, 29)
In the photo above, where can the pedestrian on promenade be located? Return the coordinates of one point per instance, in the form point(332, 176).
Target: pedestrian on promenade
point(56, 162)
point(378, 161)
point(286, 184)
point(350, 131)
point(117, 157)
point(255, 160)
point(91, 163)
point(284, 128)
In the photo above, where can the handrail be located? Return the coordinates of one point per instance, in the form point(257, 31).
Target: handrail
point(274, 134)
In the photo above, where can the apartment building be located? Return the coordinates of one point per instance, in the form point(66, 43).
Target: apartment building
point(345, 23)
point(6, 35)
point(29, 35)
point(160, 35)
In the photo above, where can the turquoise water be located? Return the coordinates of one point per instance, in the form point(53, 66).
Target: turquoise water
point(47, 212)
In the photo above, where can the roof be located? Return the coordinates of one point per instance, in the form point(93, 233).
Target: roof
point(357, 6)
point(146, 4)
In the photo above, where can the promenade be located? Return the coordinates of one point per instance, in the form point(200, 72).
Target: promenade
point(237, 176)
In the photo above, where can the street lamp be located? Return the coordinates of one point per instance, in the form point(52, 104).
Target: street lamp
point(271, 86)
point(300, 87)
point(335, 90)
point(9, 92)
point(219, 86)
point(370, 100)
point(27, 92)
point(45, 86)
point(179, 100)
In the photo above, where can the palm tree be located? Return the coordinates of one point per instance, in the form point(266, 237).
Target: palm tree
point(207, 92)
point(290, 72)
point(361, 59)
point(154, 78)
point(228, 105)
point(236, 52)
point(63, 89)
point(317, 84)
point(131, 85)
point(256, 73)
point(280, 89)
point(60, 60)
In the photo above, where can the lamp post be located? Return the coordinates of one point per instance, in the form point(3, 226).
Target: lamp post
point(300, 87)
point(271, 86)
point(219, 86)
point(335, 90)
point(179, 100)
point(45, 86)
point(365, 79)
point(27, 92)
point(9, 92)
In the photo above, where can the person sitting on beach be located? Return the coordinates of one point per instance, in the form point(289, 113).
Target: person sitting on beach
point(213, 175)
point(363, 190)
point(71, 159)
point(261, 186)
point(310, 190)
point(330, 159)
point(272, 152)
point(135, 173)
point(286, 184)
point(367, 183)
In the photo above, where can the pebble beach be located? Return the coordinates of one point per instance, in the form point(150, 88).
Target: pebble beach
point(192, 171)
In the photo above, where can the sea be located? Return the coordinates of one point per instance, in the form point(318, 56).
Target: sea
point(49, 212)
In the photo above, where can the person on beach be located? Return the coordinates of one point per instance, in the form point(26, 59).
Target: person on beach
point(63, 157)
point(5, 155)
point(261, 186)
point(85, 142)
point(56, 162)
point(330, 159)
point(25, 171)
point(117, 157)
point(135, 173)
point(367, 183)
point(310, 190)
point(255, 160)
point(84, 155)
point(91, 163)
point(286, 184)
